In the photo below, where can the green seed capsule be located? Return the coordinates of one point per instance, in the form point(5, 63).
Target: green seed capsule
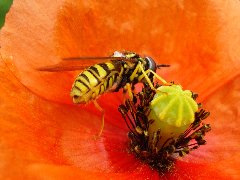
point(172, 110)
point(164, 122)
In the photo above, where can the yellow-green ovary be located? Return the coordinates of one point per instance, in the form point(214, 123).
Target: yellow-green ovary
point(174, 106)
point(172, 110)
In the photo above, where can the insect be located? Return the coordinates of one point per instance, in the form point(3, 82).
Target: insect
point(107, 74)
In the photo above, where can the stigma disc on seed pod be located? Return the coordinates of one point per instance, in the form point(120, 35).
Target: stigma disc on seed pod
point(172, 109)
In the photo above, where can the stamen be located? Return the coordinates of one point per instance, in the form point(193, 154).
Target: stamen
point(145, 147)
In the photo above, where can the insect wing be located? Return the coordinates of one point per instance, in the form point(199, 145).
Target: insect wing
point(77, 63)
point(62, 67)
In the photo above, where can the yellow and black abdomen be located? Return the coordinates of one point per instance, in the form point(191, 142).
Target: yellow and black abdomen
point(94, 81)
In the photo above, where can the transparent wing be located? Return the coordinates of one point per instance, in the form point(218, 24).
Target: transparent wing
point(77, 63)
point(90, 58)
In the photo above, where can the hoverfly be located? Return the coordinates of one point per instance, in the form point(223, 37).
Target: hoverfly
point(107, 74)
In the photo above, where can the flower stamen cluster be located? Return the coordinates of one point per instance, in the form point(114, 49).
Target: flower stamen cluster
point(151, 147)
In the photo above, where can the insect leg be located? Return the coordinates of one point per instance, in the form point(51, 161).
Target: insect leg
point(129, 90)
point(144, 75)
point(139, 66)
point(157, 76)
point(102, 111)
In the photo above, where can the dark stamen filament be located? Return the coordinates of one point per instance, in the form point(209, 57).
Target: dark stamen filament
point(135, 114)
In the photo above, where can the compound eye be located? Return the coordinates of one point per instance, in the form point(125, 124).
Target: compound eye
point(151, 64)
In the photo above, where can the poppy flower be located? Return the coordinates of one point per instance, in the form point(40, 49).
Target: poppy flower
point(45, 136)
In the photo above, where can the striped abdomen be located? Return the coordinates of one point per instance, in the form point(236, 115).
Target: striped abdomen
point(94, 81)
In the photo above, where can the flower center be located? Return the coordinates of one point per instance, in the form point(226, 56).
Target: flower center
point(164, 124)
point(172, 110)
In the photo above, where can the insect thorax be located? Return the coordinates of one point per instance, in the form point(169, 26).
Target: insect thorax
point(130, 71)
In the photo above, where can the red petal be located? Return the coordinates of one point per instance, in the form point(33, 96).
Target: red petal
point(223, 142)
point(198, 39)
point(40, 136)
point(44, 139)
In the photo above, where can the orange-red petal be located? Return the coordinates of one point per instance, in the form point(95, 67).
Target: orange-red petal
point(223, 142)
point(199, 39)
point(41, 139)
